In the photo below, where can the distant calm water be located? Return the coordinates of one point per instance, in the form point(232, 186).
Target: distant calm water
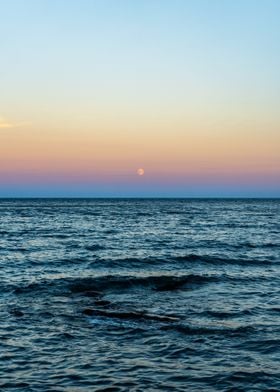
point(139, 295)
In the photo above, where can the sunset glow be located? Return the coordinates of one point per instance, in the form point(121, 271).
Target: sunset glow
point(91, 90)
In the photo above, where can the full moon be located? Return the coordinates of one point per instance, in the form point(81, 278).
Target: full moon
point(140, 172)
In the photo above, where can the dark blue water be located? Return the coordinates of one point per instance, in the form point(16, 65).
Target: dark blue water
point(136, 295)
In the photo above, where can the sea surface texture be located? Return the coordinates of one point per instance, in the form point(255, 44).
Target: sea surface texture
point(139, 295)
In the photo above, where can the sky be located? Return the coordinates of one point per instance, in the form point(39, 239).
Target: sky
point(91, 91)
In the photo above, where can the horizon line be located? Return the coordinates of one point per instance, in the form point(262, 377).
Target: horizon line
point(140, 197)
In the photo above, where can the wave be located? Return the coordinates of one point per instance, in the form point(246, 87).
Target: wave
point(156, 282)
point(265, 245)
point(192, 257)
point(264, 346)
point(4, 232)
point(94, 247)
point(227, 314)
point(180, 260)
point(121, 282)
point(94, 286)
point(176, 262)
point(189, 329)
point(171, 323)
point(130, 315)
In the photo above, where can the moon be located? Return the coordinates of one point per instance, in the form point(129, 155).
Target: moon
point(140, 171)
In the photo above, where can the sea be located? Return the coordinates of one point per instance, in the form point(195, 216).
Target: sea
point(139, 295)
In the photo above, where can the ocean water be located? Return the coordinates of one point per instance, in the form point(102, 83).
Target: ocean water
point(139, 295)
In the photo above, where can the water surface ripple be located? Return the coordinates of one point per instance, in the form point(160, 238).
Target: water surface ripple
point(135, 295)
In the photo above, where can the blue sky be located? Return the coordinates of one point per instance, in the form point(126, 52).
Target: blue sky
point(181, 88)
